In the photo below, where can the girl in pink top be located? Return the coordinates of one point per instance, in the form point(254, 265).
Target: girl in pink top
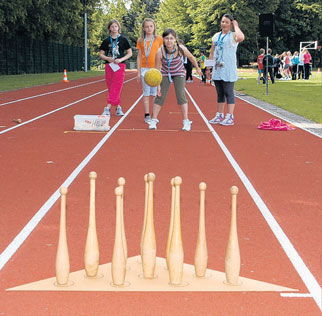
point(307, 61)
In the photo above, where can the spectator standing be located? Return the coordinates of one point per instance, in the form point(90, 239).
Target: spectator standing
point(307, 63)
point(268, 62)
point(203, 67)
point(276, 66)
point(260, 66)
point(295, 64)
point(301, 65)
point(188, 66)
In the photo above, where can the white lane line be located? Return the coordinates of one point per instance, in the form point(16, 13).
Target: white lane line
point(50, 92)
point(298, 263)
point(295, 295)
point(31, 225)
point(53, 111)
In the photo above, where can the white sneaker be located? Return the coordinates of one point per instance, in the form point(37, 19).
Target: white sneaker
point(147, 119)
point(186, 125)
point(153, 123)
point(229, 120)
point(106, 111)
point(219, 117)
point(119, 111)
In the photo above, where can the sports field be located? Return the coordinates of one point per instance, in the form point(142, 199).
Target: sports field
point(278, 175)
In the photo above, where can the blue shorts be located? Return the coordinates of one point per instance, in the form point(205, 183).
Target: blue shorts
point(260, 71)
point(147, 90)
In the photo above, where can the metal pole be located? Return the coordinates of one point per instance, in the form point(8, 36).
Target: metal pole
point(266, 77)
point(85, 40)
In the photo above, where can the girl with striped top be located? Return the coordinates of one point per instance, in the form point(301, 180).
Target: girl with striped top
point(169, 61)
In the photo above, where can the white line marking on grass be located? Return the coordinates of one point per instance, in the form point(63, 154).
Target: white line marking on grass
point(31, 225)
point(56, 110)
point(50, 92)
point(298, 263)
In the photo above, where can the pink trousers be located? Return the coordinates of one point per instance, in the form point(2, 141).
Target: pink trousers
point(114, 81)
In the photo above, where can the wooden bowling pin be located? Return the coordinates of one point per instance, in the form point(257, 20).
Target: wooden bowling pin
point(171, 221)
point(118, 266)
point(176, 249)
point(149, 241)
point(146, 192)
point(201, 254)
point(62, 256)
point(232, 259)
point(121, 182)
point(91, 254)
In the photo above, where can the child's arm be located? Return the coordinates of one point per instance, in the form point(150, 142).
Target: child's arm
point(138, 63)
point(212, 51)
point(124, 58)
point(239, 35)
point(138, 60)
point(102, 56)
point(158, 58)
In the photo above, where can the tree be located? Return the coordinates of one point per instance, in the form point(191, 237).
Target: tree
point(139, 10)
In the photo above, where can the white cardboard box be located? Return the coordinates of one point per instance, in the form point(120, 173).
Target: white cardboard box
point(91, 122)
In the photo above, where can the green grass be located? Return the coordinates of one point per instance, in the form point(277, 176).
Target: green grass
point(12, 82)
point(302, 97)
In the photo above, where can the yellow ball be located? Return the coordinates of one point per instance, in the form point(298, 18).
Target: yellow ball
point(153, 77)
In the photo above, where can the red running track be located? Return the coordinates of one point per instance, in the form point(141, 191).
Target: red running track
point(283, 168)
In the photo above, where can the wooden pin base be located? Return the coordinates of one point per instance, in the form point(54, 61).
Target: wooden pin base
point(216, 282)
point(182, 284)
point(239, 283)
point(97, 276)
point(125, 284)
point(68, 284)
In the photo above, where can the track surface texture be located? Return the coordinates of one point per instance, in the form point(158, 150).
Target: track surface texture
point(279, 201)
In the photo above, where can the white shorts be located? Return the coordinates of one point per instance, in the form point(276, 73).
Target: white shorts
point(147, 90)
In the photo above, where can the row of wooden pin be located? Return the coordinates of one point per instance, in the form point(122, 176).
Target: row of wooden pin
point(174, 248)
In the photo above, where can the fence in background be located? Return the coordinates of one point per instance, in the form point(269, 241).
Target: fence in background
point(21, 55)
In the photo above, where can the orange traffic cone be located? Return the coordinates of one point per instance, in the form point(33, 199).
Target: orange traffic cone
point(65, 76)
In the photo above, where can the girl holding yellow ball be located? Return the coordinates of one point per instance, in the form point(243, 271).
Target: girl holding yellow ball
point(169, 61)
point(147, 45)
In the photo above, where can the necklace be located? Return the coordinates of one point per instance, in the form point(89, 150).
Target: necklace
point(147, 50)
point(114, 42)
point(169, 61)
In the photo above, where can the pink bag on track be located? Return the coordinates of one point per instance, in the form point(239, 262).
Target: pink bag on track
point(275, 125)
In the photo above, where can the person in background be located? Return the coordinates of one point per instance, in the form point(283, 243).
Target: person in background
point(260, 66)
point(188, 66)
point(287, 65)
point(301, 66)
point(307, 63)
point(268, 63)
point(147, 45)
point(276, 66)
point(295, 64)
point(203, 67)
point(224, 74)
point(114, 50)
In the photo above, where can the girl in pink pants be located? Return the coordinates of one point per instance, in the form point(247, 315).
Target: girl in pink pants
point(114, 50)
